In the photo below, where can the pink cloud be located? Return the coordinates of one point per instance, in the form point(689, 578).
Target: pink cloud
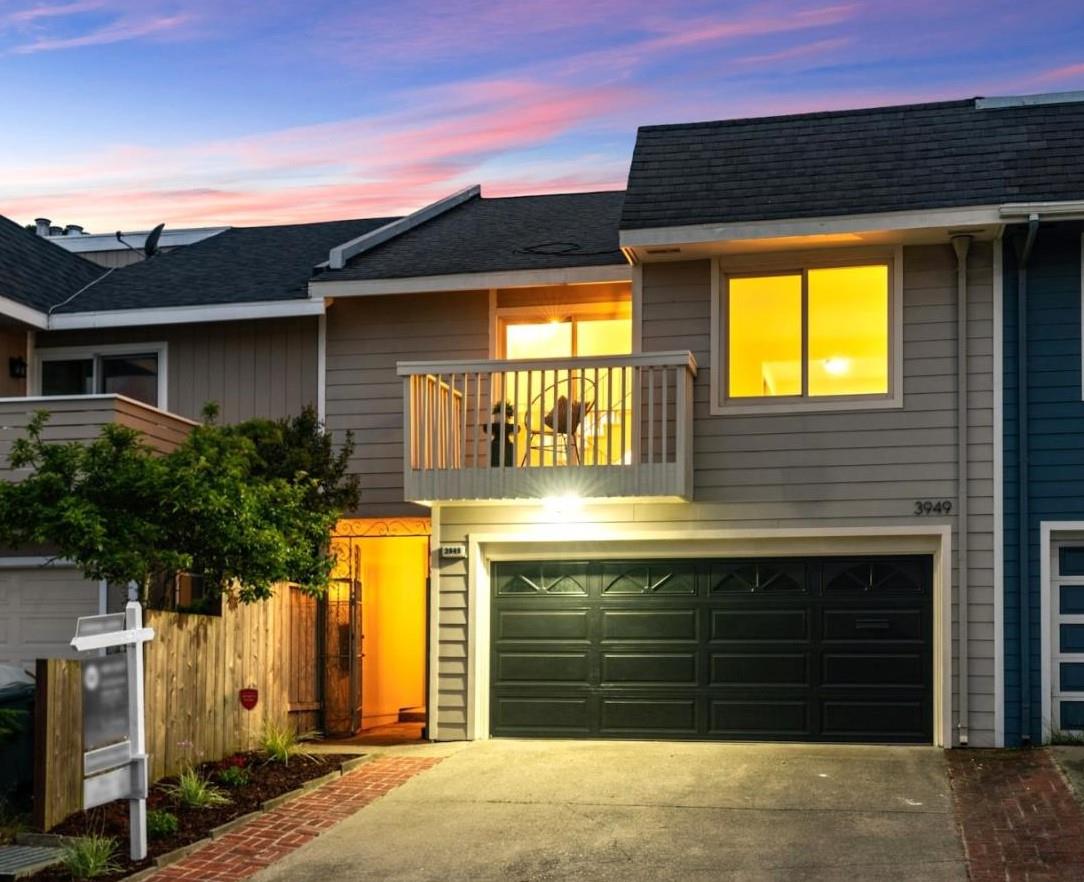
point(1066, 72)
point(387, 163)
point(804, 50)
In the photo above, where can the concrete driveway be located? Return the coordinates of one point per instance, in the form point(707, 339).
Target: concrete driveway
point(527, 811)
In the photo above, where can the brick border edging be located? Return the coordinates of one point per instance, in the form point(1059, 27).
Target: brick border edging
point(276, 833)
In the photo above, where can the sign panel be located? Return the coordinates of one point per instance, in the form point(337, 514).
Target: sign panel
point(105, 701)
point(249, 697)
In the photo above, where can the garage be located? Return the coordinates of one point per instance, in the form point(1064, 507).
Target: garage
point(38, 609)
point(788, 649)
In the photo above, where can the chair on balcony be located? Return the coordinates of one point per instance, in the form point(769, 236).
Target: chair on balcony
point(558, 430)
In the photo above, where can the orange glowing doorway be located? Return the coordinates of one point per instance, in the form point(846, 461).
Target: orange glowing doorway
point(387, 559)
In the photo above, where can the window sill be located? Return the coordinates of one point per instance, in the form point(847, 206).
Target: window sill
point(794, 407)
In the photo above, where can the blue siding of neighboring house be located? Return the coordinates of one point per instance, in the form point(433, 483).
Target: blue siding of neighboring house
point(1055, 432)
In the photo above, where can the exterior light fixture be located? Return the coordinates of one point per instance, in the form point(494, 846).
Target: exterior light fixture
point(562, 506)
point(17, 367)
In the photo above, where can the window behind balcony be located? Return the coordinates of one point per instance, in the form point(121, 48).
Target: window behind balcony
point(133, 374)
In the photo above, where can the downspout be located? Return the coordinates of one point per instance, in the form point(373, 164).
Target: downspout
point(962, 244)
point(1024, 245)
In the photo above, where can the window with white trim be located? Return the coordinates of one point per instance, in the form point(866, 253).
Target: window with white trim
point(136, 371)
point(805, 335)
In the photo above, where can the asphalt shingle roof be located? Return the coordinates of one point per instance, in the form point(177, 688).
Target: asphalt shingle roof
point(909, 157)
point(493, 235)
point(38, 273)
point(239, 265)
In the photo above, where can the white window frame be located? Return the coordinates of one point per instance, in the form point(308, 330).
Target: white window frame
point(68, 353)
point(1052, 536)
point(796, 262)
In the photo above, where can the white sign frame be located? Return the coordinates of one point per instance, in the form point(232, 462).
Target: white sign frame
point(119, 771)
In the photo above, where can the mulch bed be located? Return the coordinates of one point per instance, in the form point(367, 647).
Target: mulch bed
point(268, 780)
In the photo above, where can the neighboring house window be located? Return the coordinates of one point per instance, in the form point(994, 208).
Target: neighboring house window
point(810, 336)
point(136, 371)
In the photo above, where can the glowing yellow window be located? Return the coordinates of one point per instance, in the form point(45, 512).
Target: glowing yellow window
point(814, 333)
point(764, 321)
point(848, 330)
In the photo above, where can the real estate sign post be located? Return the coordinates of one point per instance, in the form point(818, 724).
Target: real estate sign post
point(114, 737)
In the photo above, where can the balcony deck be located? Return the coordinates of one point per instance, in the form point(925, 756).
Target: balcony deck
point(594, 427)
point(81, 417)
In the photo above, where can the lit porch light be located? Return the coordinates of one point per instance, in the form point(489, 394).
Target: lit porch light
point(562, 506)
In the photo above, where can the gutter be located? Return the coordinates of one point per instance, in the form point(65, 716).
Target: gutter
point(961, 245)
point(1024, 245)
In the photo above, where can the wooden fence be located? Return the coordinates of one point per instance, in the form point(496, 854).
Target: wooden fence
point(195, 668)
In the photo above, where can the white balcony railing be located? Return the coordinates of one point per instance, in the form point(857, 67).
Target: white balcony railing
point(596, 427)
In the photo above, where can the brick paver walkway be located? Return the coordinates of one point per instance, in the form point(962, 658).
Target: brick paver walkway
point(1018, 817)
point(271, 836)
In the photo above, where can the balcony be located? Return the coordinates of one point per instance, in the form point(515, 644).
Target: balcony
point(597, 427)
point(81, 417)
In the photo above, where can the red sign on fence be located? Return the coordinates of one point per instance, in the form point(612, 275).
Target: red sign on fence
point(249, 697)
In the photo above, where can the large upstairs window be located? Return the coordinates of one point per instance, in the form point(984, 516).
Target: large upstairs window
point(806, 337)
point(135, 371)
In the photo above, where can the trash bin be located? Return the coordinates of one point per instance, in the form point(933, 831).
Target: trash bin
point(16, 735)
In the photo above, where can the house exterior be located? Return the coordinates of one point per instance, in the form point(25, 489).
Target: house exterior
point(1043, 314)
point(726, 455)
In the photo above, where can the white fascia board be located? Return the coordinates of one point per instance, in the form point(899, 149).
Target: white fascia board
point(812, 226)
point(340, 254)
point(1073, 210)
point(178, 315)
point(584, 275)
point(22, 313)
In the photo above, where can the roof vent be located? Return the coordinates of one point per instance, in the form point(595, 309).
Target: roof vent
point(56, 231)
point(41, 226)
point(73, 230)
point(1028, 100)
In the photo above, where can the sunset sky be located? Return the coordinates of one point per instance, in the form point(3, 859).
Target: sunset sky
point(123, 113)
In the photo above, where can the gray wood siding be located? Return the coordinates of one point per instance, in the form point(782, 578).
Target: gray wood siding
point(366, 338)
point(862, 468)
point(12, 345)
point(265, 368)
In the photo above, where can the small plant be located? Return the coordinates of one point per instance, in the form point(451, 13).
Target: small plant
point(90, 856)
point(234, 772)
point(195, 791)
point(12, 819)
point(279, 743)
point(161, 824)
point(1066, 738)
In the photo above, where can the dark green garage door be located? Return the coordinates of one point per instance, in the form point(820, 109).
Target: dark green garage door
point(822, 649)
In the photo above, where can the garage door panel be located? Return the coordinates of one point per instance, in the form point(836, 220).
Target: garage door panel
point(541, 578)
point(759, 669)
point(653, 625)
point(648, 578)
point(744, 718)
point(880, 670)
point(649, 717)
point(537, 715)
point(543, 667)
point(747, 625)
point(542, 624)
point(874, 625)
point(874, 720)
point(676, 669)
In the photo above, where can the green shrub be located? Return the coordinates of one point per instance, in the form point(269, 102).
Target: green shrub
point(90, 856)
point(161, 823)
point(235, 776)
point(195, 791)
point(279, 743)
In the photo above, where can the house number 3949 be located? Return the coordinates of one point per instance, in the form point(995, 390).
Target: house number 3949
point(932, 506)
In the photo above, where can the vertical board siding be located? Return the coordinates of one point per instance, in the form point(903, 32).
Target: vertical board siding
point(194, 669)
point(1055, 432)
point(807, 470)
point(265, 368)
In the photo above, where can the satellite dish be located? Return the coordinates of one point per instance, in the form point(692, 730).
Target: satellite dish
point(150, 247)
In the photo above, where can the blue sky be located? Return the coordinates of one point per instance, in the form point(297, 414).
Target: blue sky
point(123, 113)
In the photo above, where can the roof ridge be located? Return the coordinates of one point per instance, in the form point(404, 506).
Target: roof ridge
point(812, 114)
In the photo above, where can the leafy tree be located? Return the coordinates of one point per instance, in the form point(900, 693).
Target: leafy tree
point(243, 506)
